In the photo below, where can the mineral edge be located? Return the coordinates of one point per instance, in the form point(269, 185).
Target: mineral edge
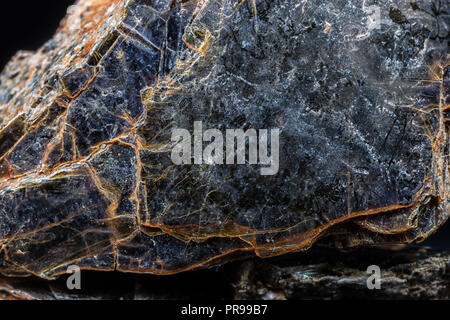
point(363, 109)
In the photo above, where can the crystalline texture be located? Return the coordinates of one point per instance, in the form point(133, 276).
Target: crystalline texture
point(86, 176)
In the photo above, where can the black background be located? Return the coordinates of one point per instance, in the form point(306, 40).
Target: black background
point(27, 25)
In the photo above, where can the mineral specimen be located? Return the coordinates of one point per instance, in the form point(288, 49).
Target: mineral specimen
point(359, 91)
point(319, 273)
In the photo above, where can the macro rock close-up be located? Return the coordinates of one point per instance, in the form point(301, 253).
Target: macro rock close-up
point(290, 144)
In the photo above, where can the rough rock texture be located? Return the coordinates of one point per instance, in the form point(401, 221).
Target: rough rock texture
point(86, 175)
point(415, 273)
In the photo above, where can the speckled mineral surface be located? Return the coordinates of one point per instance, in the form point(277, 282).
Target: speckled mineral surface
point(359, 91)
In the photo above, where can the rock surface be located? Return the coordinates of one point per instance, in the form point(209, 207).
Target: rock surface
point(415, 273)
point(358, 89)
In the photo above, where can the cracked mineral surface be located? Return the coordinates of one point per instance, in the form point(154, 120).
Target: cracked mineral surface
point(359, 91)
point(320, 273)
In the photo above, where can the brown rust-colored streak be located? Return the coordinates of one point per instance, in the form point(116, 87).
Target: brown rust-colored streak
point(304, 240)
point(233, 230)
point(369, 227)
point(280, 247)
